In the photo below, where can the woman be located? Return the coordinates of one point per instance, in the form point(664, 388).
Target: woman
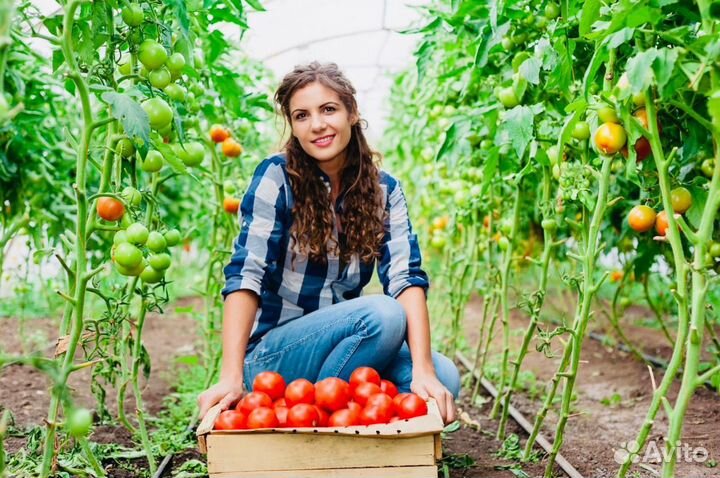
point(314, 221)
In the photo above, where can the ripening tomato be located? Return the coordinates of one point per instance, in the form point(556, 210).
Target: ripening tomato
point(641, 218)
point(344, 418)
point(332, 393)
point(364, 374)
point(363, 391)
point(412, 406)
point(231, 420)
point(110, 209)
point(681, 200)
point(299, 391)
point(253, 400)
point(661, 223)
point(388, 387)
point(271, 383)
point(610, 138)
point(302, 415)
point(262, 417)
point(218, 133)
point(231, 148)
point(323, 416)
point(231, 204)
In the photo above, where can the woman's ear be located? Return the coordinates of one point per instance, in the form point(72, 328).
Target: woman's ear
point(354, 119)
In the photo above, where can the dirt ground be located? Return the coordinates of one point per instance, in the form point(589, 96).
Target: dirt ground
point(592, 436)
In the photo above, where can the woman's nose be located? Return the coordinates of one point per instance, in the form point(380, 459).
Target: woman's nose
point(318, 123)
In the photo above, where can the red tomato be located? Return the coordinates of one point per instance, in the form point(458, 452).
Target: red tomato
point(388, 387)
point(364, 374)
point(399, 398)
point(343, 418)
point(374, 415)
point(661, 223)
point(363, 391)
point(281, 413)
point(381, 400)
point(271, 383)
point(110, 209)
point(280, 402)
point(394, 419)
point(230, 420)
point(299, 391)
point(355, 408)
point(302, 415)
point(332, 393)
point(412, 406)
point(323, 416)
point(253, 400)
point(262, 417)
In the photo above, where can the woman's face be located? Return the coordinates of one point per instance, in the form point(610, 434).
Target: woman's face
point(321, 123)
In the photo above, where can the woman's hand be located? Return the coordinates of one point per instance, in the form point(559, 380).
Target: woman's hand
point(225, 392)
point(427, 385)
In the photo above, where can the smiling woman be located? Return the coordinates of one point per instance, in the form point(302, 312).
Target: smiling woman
point(314, 222)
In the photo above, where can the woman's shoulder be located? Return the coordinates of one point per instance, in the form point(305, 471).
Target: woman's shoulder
point(273, 167)
point(388, 182)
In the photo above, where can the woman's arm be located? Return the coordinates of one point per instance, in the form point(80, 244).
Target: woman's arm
point(238, 318)
point(424, 379)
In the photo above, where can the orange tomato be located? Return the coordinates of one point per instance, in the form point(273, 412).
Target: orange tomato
point(661, 223)
point(641, 218)
point(231, 148)
point(610, 138)
point(616, 276)
point(231, 205)
point(218, 133)
point(110, 209)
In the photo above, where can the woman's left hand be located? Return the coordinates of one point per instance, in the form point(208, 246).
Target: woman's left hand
point(427, 385)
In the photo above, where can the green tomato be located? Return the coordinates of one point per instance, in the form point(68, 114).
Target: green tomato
point(507, 97)
point(125, 69)
point(191, 154)
point(175, 92)
point(681, 199)
point(552, 154)
point(506, 227)
point(556, 171)
point(160, 78)
point(128, 255)
point(519, 59)
point(616, 166)
point(519, 39)
point(156, 242)
point(639, 98)
point(175, 63)
point(137, 233)
point(229, 187)
point(160, 261)
point(198, 60)
point(159, 112)
point(581, 130)
point(507, 43)
point(132, 196)
point(172, 238)
point(119, 237)
point(152, 54)
point(79, 422)
point(714, 249)
point(153, 162)
point(129, 272)
point(486, 144)
point(503, 243)
point(607, 114)
point(133, 15)
point(126, 148)
point(552, 11)
point(707, 167)
point(151, 276)
point(438, 241)
point(550, 225)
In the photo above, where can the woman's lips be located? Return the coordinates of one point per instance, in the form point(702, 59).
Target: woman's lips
point(324, 142)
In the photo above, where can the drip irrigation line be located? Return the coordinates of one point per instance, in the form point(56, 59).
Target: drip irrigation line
point(521, 420)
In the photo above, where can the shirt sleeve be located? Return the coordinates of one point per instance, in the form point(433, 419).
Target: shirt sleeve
point(261, 230)
point(399, 265)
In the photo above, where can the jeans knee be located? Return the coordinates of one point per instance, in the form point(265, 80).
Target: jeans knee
point(389, 318)
point(448, 374)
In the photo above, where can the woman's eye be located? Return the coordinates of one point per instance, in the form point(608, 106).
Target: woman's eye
point(329, 109)
point(299, 116)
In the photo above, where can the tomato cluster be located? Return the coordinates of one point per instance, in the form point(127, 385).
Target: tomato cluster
point(642, 218)
point(366, 400)
point(231, 149)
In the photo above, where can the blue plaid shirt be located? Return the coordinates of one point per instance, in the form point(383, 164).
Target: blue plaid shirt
point(262, 256)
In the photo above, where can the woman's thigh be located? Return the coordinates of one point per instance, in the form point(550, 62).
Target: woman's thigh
point(400, 371)
point(301, 347)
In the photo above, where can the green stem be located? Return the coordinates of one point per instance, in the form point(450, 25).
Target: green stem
point(90, 456)
point(139, 406)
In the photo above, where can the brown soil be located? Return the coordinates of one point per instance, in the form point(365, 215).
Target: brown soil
point(591, 437)
point(596, 430)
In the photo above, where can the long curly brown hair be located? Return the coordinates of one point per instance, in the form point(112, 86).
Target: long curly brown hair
point(362, 215)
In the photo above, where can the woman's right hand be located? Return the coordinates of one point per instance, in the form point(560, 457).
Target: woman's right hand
point(225, 392)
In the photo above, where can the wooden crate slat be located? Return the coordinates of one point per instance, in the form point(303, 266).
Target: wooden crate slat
point(393, 472)
point(279, 451)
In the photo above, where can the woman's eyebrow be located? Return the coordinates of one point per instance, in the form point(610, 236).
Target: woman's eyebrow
point(324, 104)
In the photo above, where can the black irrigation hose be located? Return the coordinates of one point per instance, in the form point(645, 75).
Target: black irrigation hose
point(521, 420)
point(656, 362)
point(161, 469)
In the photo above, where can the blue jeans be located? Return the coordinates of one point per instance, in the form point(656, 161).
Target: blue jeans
point(335, 340)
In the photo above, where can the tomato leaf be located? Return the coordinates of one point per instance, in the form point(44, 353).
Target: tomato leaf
point(518, 125)
point(424, 55)
point(590, 13)
point(175, 163)
point(530, 70)
point(255, 5)
point(133, 118)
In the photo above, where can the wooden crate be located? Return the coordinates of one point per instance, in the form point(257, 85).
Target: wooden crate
point(404, 449)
